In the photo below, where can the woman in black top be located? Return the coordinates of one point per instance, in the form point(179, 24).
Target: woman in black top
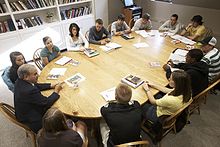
point(17, 59)
point(58, 132)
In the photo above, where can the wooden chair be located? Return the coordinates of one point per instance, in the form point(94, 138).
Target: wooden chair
point(168, 124)
point(37, 59)
point(16, 129)
point(143, 143)
point(87, 35)
point(109, 28)
point(131, 23)
point(201, 97)
point(208, 32)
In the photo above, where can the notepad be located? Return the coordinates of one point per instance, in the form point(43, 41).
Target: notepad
point(110, 46)
point(63, 60)
point(91, 52)
point(109, 94)
point(183, 39)
point(140, 45)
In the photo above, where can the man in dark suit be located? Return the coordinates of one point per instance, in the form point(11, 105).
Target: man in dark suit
point(30, 104)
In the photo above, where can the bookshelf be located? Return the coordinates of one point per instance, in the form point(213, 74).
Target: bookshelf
point(21, 19)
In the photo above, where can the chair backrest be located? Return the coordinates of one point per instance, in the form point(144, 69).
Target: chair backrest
point(143, 143)
point(87, 35)
point(109, 28)
point(7, 80)
point(37, 59)
point(131, 23)
point(208, 32)
point(9, 113)
point(169, 122)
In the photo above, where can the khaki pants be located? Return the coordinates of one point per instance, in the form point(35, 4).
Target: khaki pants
point(104, 129)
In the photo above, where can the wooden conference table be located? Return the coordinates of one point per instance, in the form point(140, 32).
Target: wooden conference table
point(106, 70)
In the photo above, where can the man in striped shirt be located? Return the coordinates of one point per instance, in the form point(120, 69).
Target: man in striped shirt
point(211, 57)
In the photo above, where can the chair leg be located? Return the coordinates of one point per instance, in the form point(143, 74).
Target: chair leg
point(198, 109)
point(160, 144)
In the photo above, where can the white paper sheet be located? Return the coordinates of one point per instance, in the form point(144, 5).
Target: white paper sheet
point(109, 94)
point(140, 45)
point(63, 60)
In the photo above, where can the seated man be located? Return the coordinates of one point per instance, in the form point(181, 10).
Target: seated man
point(196, 69)
point(143, 23)
point(120, 27)
point(172, 25)
point(96, 33)
point(30, 104)
point(123, 118)
point(211, 57)
point(195, 30)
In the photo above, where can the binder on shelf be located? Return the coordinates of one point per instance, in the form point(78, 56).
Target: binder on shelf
point(22, 5)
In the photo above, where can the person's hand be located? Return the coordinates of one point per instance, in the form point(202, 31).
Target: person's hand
point(82, 49)
point(170, 63)
point(53, 85)
point(107, 40)
point(103, 42)
point(146, 87)
point(166, 67)
point(58, 87)
point(189, 25)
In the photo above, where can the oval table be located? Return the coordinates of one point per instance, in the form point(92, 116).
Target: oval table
point(106, 70)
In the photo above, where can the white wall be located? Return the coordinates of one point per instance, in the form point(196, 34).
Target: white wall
point(161, 11)
point(101, 10)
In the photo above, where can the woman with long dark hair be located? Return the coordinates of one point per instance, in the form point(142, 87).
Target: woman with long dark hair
point(17, 59)
point(76, 41)
point(174, 98)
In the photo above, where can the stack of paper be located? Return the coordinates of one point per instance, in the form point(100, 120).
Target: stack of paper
point(63, 60)
point(140, 45)
point(179, 56)
point(55, 73)
point(183, 39)
point(143, 33)
point(109, 95)
point(110, 46)
point(75, 79)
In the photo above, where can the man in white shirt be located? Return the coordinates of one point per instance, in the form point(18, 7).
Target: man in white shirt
point(143, 23)
point(120, 27)
point(172, 25)
point(211, 57)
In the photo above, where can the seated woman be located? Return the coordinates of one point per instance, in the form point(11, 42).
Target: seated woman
point(59, 132)
point(49, 52)
point(10, 73)
point(76, 41)
point(173, 100)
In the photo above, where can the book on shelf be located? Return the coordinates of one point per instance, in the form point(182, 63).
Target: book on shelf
point(75, 79)
point(29, 22)
point(63, 60)
point(6, 26)
point(110, 46)
point(109, 94)
point(91, 52)
point(132, 80)
point(3, 8)
point(74, 12)
point(22, 5)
